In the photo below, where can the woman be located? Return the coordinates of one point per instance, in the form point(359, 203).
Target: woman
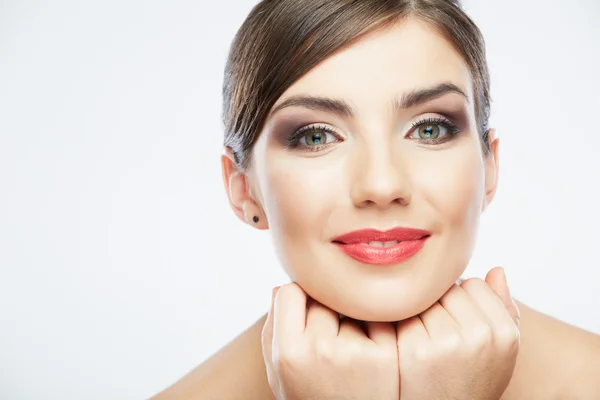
point(357, 132)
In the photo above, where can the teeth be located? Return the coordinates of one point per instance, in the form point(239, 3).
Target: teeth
point(383, 244)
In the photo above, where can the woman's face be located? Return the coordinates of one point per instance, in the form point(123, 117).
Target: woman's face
point(380, 136)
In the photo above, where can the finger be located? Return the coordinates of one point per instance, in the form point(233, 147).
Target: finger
point(321, 321)
point(267, 345)
point(496, 280)
point(267, 330)
point(289, 314)
point(382, 333)
point(490, 304)
point(438, 322)
point(460, 306)
point(350, 329)
point(410, 332)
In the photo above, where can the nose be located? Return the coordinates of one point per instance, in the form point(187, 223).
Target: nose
point(380, 179)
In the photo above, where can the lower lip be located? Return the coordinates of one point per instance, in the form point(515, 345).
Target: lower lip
point(383, 255)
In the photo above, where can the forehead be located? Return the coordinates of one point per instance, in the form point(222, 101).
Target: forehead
point(384, 64)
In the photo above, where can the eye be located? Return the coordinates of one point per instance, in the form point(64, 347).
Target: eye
point(431, 131)
point(313, 138)
point(316, 138)
point(434, 130)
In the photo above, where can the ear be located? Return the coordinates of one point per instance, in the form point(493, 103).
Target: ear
point(237, 186)
point(491, 169)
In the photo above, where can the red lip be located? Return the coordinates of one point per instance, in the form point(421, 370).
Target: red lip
point(372, 235)
point(355, 244)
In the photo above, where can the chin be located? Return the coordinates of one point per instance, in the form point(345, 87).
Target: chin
point(383, 312)
point(380, 307)
point(376, 293)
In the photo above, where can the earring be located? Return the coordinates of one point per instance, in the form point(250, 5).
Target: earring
point(255, 219)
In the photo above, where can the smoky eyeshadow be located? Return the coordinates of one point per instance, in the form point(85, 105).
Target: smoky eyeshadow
point(458, 115)
point(451, 106)
point(282, 125)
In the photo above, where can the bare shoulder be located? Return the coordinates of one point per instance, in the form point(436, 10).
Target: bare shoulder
point(235, 372)
point(580, 361)
point(556, 359)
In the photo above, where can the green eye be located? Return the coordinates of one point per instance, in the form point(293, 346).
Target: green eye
point(435, 130)
point(315, 138)
point(429, 131)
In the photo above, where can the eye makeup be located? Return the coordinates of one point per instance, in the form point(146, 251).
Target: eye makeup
point(451, 128)
point(438, 122)
point(325, 133)
point(316, 137)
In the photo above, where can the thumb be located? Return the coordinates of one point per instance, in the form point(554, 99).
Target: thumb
point(496, 280)
point(267, 331)
point(267, 344)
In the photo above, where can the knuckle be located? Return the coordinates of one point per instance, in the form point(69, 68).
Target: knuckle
point(350, 353)
point(423, 354)
point(451, 343)
point(481, 336)
point(323, 352)
point(508, 337)
point(290, 356)
point(448, 346)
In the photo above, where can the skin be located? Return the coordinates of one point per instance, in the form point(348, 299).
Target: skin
point(462, 347)
point(377, 173)
point(556, 361)
point(375, 169)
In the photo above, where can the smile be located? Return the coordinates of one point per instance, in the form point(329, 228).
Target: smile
point(375, 247)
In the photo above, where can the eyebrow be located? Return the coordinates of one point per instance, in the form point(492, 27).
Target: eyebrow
point(410, 99)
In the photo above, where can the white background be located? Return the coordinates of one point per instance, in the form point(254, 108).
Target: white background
point(121, 265)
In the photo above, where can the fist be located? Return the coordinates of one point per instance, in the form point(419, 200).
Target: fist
point(464, 346)
point(312, 353)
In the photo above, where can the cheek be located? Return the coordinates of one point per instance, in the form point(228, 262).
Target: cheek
point(299, 197)
point(451, 185)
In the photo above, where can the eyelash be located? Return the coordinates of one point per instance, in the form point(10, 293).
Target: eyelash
point(293, 141)
point(453, 130)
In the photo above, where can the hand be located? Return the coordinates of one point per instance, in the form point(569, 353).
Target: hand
point(465, 346)
point(310, 353)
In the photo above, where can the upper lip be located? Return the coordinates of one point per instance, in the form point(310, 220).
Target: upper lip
point(373, 235)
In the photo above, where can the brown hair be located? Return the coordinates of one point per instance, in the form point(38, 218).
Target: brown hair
point(281, 40)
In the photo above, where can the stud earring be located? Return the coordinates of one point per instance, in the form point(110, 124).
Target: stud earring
point(255, 219)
